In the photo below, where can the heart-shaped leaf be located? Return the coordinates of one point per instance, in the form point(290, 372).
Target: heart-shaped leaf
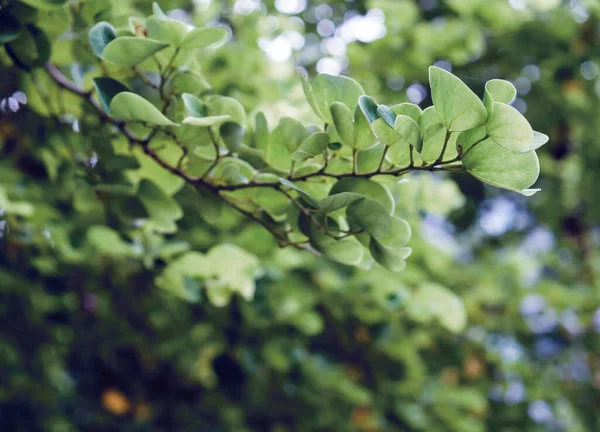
point(458, 107)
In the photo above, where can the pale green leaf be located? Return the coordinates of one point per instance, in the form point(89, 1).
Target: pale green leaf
point(327, 89)
point(133, 107)
point(342, 119)
point(205, 36)
point(312, 146)
point(508, 128)
point(131, 50)
point(458, 107)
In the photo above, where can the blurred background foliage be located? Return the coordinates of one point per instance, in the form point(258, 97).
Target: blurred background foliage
point(91, 340)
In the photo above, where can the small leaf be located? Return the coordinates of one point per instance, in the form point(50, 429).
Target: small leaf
point(205, 36)
point(386, 134)
point(408, 129)
point(428, 117)
point(193, 105)
point(370, 189)
point(158, 12)
point(308, 93)
point(206, 121)
point(363, 135)
point(312, 146)
point(261, 132)
point(338, 201)
point(327, 89)
point(497, 166)
point(232, 135)
point(130, 50)
point(467, 139)
point(189, 82)
point(133, 107)
point(101, 35)
point(498, 91)
point(369, 108)
point(161, 207)
point(458, 107)
point(386, 113)
point(335, 146)
point(398, 235)
point(539, 139)
point(369, 160)
point(408, 109)
point(291, 132)
point(222, 105)
point(342, 119)
point(168, 30)
point(107, 89)
point(308, 197)
point(507, 127)
point(390, 258)
point(370, 216)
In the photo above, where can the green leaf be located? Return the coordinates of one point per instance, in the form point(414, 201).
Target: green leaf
point(497, 166)
point(158, 12)
point(408, 129)
point(366, 187)
point(108, 241)
point(133, 107)
point(312, 201)
point(342, 119)
point(327, 89)
point(371, 216)
point(539, 139)
point(408, 109)
point(386, 133)
point(428, 117)
point(312, 146)
point(178, 276)
point(346, 251)
point(31, 49)
point(466, 139)
point(498, 91)
point(232, 135)
point(398, 235)
point(387, 115)
point(458, 107)
point(205, 36)
point(106, 89)
point(162, 208)
point(222, 105)
point(390, 258)
point(291, 132)
point(338, 201)
point(507, 127)
point(101, 35)
point(261, 131)
point(168, 31)
point(369, 160)
point(363, 135)
point(131, 50)
point(433, 142)
point(369, 108)
point(193, 105)
point(435, 302)
point(10, 27)
point(45, 5)
point(189, 82)
point(206, 121)
point(308, 93)
point(233, 170)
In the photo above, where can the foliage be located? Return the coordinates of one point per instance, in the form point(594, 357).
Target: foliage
point(166, 215)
